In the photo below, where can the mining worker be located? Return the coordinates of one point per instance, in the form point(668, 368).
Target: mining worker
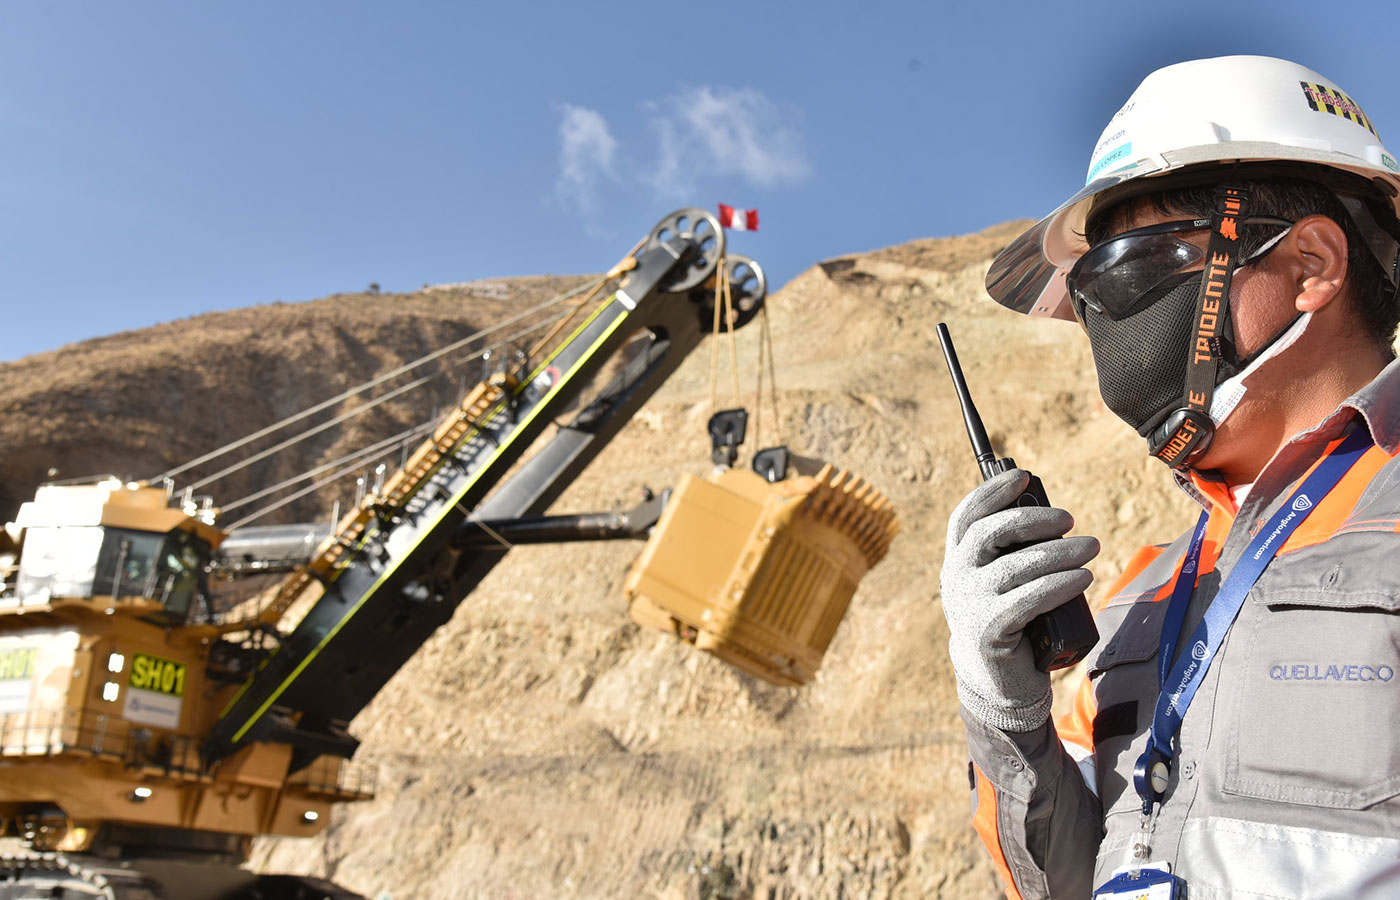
point(1233, 261)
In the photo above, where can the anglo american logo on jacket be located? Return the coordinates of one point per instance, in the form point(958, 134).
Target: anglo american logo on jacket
point(1334, 672)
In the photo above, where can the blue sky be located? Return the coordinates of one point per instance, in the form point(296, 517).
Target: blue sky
point(162, 159)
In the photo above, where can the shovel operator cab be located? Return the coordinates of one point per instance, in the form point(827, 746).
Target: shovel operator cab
point(147, 733)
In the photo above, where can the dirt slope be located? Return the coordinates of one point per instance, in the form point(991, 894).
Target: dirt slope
point(540, 745)
point(136, 403)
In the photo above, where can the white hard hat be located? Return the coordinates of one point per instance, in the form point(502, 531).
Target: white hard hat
point(1226, 117)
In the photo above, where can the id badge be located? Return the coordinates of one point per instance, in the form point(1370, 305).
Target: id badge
point(1148, 884)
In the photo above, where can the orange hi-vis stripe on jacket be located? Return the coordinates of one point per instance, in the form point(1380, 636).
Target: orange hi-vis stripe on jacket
point(1076, 728)
point(984, 822)
point(1056, 809)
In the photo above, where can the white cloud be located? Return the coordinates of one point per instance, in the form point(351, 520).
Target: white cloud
point(709, 132)
point(702, 134)
point(586, 153)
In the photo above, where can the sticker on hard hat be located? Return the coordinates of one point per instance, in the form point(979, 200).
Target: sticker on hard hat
point(1108, 141)
point(162, 676)
point(1112, 156)
point(1331, 100)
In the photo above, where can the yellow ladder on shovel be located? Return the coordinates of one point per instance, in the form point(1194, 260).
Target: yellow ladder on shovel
point(353, 528)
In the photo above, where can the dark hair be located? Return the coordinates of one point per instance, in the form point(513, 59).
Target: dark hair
point(1285, 198)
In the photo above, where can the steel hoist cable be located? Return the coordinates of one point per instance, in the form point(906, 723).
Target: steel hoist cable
point(345, 416)
point(372, 383)
point(724, 316)
point(624, 265)
point(724, 319)
point(406, 435)
point(765, 356)
point(357, 465)
point(556, 324)
point(560, 322)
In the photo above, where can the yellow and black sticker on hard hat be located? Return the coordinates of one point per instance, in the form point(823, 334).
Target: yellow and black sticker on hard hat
point(17, 663)
point(161, 676)
point(1331, 100)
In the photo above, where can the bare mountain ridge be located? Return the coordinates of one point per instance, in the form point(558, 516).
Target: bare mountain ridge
point(539, 745)
point(137, 403)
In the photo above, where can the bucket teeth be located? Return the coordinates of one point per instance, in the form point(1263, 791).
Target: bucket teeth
point(771, 604)
point(854, 506)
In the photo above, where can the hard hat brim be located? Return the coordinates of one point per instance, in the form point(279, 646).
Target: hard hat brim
point(1028, 276)
point(1025, 277)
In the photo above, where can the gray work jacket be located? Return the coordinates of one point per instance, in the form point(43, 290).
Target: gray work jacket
point(1286, 780)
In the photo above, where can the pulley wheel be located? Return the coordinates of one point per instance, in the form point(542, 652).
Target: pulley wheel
point(747, 283)
point(702, 230)
point(747, 288)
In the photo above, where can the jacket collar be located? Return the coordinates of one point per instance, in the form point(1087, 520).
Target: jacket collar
point(1378, 405)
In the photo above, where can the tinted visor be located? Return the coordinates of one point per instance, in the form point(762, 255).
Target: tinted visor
point(1025, 275)
point(1129, 271)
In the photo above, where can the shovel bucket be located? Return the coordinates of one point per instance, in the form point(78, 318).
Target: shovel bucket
point(761, 574)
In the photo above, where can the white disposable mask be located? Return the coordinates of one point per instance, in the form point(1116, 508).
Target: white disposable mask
point(1231, 391)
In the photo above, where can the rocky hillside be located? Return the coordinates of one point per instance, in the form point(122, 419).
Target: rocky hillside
point(540, 746)
point(137, 403)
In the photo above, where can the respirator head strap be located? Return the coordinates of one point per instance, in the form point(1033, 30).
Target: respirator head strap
point(1185, 433)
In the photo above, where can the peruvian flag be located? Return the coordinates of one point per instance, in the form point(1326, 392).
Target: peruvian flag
point(738, 219)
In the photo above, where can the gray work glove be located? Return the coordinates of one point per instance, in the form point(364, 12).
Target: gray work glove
point(989, 595)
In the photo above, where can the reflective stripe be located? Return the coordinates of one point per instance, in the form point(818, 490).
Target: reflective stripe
point(1076, 731)
point(1077, 725)
point(984, 821)
point(1119, 591)
point(1283, 862)
point(1135, 587)
point(1336, 508)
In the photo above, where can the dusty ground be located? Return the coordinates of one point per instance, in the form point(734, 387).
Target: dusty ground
point(542, 746)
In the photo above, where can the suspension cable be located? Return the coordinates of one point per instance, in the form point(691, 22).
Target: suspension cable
point(714, 342)
point(765, 356)
point(383, 447)
point(374, 382)
point(724, 317)
point(405, 435)
point(309, 489)
point(363, 408)
point(729, 320)
point(624, 265)
point(766, 336)
point(758, 399)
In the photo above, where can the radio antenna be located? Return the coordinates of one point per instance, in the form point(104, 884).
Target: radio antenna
point(976, 431)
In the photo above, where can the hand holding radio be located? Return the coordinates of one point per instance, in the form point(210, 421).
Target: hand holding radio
point(1013, 585)
point(1005, 567)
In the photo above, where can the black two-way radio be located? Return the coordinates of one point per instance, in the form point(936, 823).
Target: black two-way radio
point(1059, 638)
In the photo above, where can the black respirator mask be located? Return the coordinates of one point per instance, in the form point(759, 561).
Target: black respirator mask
point(1162, 338)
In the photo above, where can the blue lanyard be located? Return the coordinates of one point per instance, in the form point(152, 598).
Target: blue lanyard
point(1178, 683)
